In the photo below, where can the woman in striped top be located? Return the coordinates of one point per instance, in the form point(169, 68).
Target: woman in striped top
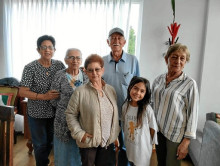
point(175, 102)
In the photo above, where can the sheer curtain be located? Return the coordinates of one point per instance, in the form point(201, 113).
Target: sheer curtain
point(82, 24)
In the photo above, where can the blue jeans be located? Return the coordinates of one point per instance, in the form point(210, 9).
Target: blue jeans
point(42, 138)
point(122, 156)
point(66, 153)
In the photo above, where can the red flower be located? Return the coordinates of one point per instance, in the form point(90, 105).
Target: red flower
point(173, 29)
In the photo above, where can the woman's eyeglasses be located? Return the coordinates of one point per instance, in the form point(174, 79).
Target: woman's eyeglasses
point(97, 70)
point(45, 47)
point(74, 58)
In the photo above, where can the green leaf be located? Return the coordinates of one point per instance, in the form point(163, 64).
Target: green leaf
point(173, 7)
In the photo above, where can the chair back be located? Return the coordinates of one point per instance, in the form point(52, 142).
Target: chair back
point(9, 93)
point(7, 119)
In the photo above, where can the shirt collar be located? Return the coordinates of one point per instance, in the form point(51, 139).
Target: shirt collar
point(123, 58)
point(180, 78)
point(103, 84)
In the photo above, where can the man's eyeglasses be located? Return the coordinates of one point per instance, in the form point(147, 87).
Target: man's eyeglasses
point(45, 47)
point(74, 58)
point(97, 70)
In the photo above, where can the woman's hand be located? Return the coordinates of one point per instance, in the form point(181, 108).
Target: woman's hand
point(182, 149)
point(26, 92)
point(51, 94)
point(85, 136)
point(117, 145)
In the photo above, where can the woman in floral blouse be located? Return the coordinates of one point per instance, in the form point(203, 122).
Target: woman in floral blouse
point(35, 85)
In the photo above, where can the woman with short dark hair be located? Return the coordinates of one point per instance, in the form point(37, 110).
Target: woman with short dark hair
point(35, 85)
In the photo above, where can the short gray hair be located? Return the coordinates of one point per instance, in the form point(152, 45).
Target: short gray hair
point(72, 49)
point(178, 47)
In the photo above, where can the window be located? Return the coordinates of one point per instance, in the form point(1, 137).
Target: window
point(78, 24)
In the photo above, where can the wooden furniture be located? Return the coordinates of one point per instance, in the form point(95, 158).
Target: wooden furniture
point(20, 107)
point(13, 91)
point(7, 119)
point(13, 101)
point(27, 133)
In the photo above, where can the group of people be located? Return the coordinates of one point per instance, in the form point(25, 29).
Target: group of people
point(85, 113)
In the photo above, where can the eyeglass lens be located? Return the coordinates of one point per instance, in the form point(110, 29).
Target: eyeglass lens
point(74, 58)
point(45, 47)
point(92, 70)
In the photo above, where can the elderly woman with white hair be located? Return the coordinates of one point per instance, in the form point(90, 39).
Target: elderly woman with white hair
point(66, 151)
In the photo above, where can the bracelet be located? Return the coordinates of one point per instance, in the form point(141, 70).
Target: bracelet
point(36, 96)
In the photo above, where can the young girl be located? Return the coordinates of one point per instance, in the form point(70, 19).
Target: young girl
point(139, 123)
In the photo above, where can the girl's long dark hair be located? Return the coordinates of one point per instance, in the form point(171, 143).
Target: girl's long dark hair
point(142, 104)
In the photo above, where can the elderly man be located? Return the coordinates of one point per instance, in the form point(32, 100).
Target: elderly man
point(120, 67)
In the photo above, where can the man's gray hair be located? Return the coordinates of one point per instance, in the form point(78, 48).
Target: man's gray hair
point(72, 49)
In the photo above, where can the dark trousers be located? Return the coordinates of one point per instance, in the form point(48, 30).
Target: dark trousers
point(99, 156)
point(42, 138)
point(166, 151)
point(122, 156)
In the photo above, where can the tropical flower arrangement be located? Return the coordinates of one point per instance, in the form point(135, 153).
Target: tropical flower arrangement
point(174, 27)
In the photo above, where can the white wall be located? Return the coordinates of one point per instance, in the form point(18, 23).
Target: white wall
point(157, 15)
point(210, 83)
